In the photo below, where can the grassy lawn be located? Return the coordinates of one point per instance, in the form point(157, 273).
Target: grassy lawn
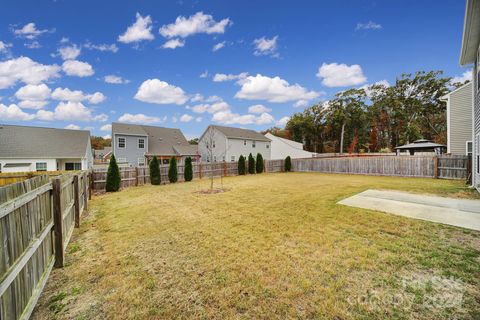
point(273, 246)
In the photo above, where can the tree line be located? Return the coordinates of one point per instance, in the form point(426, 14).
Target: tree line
point(375, 118)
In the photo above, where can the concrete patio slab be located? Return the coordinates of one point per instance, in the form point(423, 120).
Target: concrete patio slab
point(455, 212)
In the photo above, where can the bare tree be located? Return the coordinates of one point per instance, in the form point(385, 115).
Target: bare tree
point(209, 143)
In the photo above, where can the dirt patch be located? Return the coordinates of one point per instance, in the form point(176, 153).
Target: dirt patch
point(212, 191)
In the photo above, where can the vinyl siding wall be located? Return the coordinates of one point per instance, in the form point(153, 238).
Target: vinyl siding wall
point(131, 153)
point(459, 124)
point(476, 126)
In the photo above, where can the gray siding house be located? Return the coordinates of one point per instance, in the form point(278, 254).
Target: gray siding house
point(470, 54)
point(459, 124)
point(135, 145)
point(25, 149)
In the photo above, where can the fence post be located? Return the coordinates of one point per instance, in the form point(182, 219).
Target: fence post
point(224, 168)
point(136, 176)
point(76, 199)
point(435, 167)
point(90, 183)
point(200, 170)
point(469, 169)
point(57, 222)
point(264, 165)
point(85, 196)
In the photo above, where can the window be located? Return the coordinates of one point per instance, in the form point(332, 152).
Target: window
point(244, 142)
point(233, 158)
point(141, 161)
point(122, 160)
point(166, 161)
point(223, 158)
point(268, 146)
point(73, 166)
point(213, 144)
point(469, 148)
point(41, 166)
point(214, 158)
point(141, 143)
point(253, 144)
point(121, 143)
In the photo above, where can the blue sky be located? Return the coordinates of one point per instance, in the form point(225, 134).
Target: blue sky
point(187, 64)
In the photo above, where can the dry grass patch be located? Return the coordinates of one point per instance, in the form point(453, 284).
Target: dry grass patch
point(274, 246)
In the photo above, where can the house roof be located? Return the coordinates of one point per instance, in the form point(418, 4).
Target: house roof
point(290, 143)
point(238, 133)
point(421, 144)
point(466, 85)
point(161, 141)
point(37, 142)
point(471, 32)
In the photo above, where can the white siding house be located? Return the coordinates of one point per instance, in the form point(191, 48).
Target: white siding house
point(24, 149)
point(229, 143)
point(282, 148)
point(459, 124)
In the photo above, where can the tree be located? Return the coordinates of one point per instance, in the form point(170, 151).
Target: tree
point(98, 143)
point(241, 166)
point(172, 170)
point(251, 164)
point(193, 141)
point(259, 163)
point(288, 164)
point(113, 176)
point(155, 177)
point(188, 173)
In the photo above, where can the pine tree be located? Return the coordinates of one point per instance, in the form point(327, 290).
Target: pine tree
point(172, 170)
point(259, 163)
point(155, 178)
point(113, 176)
point(241, 166)
point(188, 173)
point(288, 164)
point(251, 164)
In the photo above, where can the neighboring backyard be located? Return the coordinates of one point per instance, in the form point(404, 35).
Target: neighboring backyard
point(272, 246)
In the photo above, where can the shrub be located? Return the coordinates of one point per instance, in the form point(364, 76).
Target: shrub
point(259, 163)
point(155, 178)
point(188, 173)
point(288, 164)
point(241, 166)
point(113, 176)
point(172, 170)
point(251, 164)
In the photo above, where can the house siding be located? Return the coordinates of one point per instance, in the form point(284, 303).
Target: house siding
point(476, 125)
point(459, 112)
point(131, 153)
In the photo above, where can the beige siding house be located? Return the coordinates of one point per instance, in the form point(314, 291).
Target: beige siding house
point(459, 120)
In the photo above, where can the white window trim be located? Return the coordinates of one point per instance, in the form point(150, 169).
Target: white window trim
point(37, 163)
point(254, 144)
point(141, 161)
point(118, 142)
point(138, 143)
point(466, 147)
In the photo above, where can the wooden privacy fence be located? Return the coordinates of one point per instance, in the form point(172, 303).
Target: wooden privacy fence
point(37, 217)
point(7, 178)
point(446, 167)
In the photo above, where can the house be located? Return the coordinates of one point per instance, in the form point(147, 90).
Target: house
point(102, 155)
point(470, 54)
point(135, 144)
point(282, 148)
point(24, 149)
point(459, 124)
point(220, 143)
point(422, 146)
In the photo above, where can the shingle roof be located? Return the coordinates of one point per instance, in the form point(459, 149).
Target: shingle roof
point(161, 141)
point(232, 132)
point(37, 142)
point(421, 144)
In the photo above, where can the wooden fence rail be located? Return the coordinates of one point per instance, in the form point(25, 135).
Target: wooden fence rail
point(37, 217)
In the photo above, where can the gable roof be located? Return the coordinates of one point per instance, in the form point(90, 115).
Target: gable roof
point(161, 141)
point(471, 32)
point(467, 86)
point(38, 142)
point(238, 133)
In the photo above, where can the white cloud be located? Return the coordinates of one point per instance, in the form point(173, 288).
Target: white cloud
point(101, 47)
point(283, 121)
point(258, 109)
point(69, 53)
point(30, 31)
point(204, 74)
point(100, 117)
point(211, 99)
point(139, 118)
point(139, 31)
point(45, 115)
point(300, 104)
point(113, 79)
point(77, 68)
point(107, 136)
point(72, 127)
point(198, 23)
point(197, 97)
point(227, 117)
point(64, 40)
point(341, 75)
point(33, 96)
point(186, 118)
point(367, 87)
point(4, 47)
point(160, 92)
point(275, 89)
point(33, 45)
point(198, 119)
point(96, 98)
point(265, 46)
point(72, 111)
point(221, 77)
point(65, 94)
point(218, 46)
point(25, 70)
point(106, 127)
point(173, 43)
point(370, 25)
point(210, 108)
point(466, 76)
point(14, 113)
